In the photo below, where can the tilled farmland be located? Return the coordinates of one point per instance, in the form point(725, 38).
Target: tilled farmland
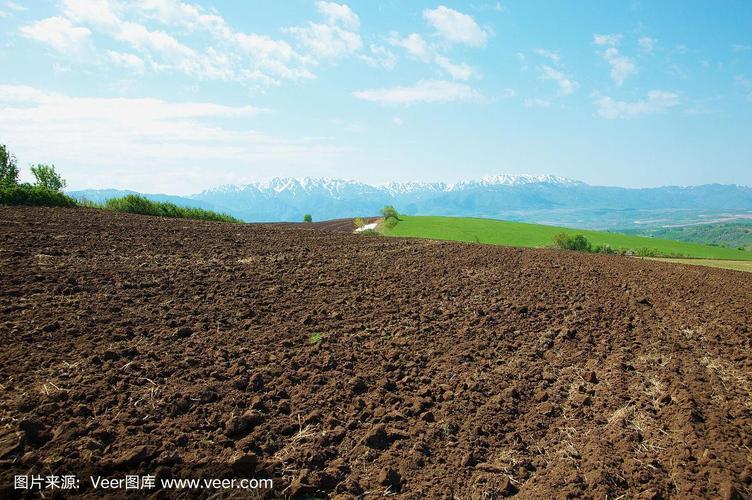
point(341, 365)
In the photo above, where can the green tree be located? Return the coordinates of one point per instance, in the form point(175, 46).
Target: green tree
point(47, 177)
point(389, 212)
point(8, 167)
point(307, 218)
point(579, 243)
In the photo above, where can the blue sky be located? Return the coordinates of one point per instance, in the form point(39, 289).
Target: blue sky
point(177, 96)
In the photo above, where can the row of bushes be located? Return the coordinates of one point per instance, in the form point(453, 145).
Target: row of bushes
point(136, 204)
point(579, 243)
point(32, 195)
point(47, 191)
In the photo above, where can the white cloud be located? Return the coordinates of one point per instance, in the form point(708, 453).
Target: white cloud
point(243, 57)
point(339, 14)
point(397, 121)
point(3, 14)
point(413, 43)
point(15, 6)
point(380, 57)
point(549, 54)
point(657, 101)
point(647, 44)
point(97, 12)
point(325, 41)
point(456, 27)
point(336, 38)
point(508, 93)
point(566, 85)
point(607, 39)
point(59, 33)
point(425, 91)
point(622, 67)
point(177, 13)
point(458, 71)
point(125, 60)
point(745, 85)
point(536, 102)
point(146, 143)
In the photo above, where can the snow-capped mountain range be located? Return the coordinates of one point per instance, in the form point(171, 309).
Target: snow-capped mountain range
point(332, 186)
point(516, 197)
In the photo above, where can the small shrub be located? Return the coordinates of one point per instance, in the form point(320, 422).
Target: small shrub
point(369, 232)
point(316, 338)
point(359, 222)
point(604, 249)
point(646, 252)
point(307, 218)
point(579, 243)
point(391, 222)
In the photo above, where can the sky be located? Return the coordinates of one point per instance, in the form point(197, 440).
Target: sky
point(180, 96)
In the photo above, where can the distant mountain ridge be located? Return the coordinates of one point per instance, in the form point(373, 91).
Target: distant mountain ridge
point(535, 198)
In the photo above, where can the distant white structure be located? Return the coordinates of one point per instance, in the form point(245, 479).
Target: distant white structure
point(372, 225)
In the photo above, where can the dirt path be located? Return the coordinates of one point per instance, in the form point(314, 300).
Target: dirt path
point(339, 365)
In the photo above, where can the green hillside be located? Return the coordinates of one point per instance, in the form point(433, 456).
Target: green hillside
point(732, 235)
point(519, 234)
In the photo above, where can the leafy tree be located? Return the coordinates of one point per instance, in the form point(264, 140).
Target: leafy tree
point(307, 218)
point(389, 212)
point(8, 167)
point(579, 243)
point(47, 177)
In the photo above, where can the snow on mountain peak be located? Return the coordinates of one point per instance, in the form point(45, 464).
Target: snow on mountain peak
point(332, 186)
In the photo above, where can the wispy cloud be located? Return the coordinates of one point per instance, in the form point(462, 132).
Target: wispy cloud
point(657, 101)
point(425, 91)
point(458, 71)
point(326, 41)
point(15, 6)
point(144, 142)
point(566, 85)
point(647, 44)
point(59, 33)
point(456, 27)
point(337, 37)
point(339, 14)
point(622, 67)
point(553, 56)
point(380, 56)
point(228, 55)
point(614, 39)
point(744, 84)
point(536, 102)
point(414, 44)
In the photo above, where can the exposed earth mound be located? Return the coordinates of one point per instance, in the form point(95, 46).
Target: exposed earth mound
point(342, 365)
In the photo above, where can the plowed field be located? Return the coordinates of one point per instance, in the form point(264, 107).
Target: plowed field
point(345, 365)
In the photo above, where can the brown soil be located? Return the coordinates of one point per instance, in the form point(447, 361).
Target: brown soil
point(442, 369)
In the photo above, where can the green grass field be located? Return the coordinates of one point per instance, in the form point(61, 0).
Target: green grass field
point(519, 234)
point(734, 265)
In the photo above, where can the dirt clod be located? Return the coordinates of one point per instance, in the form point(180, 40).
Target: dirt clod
point(390, 478)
